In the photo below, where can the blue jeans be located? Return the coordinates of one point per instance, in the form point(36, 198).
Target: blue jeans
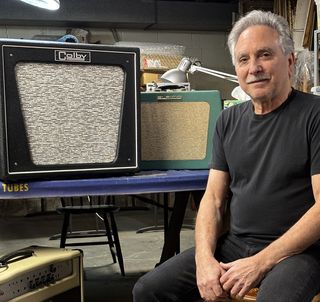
point(295, 279)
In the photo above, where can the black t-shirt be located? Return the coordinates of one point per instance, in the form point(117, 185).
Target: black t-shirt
point(270, 159)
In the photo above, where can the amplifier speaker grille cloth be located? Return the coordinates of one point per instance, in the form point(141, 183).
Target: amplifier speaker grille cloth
point(174, 131)
point(79, 119)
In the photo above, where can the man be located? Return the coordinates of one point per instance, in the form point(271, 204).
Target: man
point(267, 152)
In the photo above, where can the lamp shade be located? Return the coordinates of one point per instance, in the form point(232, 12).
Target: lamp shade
point(174, 76)
point(47, 4)
point(179, 74)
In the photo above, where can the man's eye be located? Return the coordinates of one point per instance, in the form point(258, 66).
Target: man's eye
point(243, 60)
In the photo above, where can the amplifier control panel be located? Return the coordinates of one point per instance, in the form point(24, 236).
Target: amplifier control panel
point(34, 280)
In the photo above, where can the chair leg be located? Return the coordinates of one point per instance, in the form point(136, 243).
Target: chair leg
point(63, 238)
point(109, 236)
point(117, 243)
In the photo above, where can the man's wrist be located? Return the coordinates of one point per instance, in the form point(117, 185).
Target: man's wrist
point(266, 261)
point(205, 258)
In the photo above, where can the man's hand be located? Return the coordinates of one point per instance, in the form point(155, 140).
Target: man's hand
point(242, 275)
point(208, 281)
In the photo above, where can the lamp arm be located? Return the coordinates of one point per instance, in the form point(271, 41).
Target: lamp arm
point(219, 74)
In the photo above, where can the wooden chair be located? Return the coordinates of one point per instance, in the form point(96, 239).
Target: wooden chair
point(252, 295)
point(105, 211)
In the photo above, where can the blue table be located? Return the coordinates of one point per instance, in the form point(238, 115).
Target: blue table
point(182, 182)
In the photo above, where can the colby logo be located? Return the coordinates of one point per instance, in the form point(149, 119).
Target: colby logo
point(72, 56)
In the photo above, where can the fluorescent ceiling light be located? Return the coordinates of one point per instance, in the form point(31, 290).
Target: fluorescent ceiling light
point(47, 4)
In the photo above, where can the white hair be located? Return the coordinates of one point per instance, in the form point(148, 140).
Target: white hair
point(258, 17)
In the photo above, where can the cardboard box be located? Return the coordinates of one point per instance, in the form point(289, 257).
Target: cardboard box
point(150, 77)
point(150, 62)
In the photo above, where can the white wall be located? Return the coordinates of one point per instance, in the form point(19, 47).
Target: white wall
point(209, 47)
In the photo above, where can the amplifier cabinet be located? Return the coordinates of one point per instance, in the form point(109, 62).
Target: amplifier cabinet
point(68, 109)
point(177, 128)
point(49, 274)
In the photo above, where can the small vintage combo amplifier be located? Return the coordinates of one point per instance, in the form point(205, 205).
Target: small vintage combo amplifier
point(41, 274)
point(177, 128)
point(68, 109)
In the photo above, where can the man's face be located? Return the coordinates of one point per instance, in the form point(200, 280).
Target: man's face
point(263, 70)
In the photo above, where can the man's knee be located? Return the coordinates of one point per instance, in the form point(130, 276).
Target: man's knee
point(139, 292)
point(143, 290)
point(168, 281)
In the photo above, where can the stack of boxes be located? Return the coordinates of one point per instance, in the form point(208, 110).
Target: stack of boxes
point(154, 65)
point(156, 59)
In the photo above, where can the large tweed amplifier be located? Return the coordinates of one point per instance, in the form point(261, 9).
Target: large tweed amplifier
point(38, 274)
point(177, 128)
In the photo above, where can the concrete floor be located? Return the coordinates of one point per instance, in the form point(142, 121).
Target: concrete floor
point(103, 281)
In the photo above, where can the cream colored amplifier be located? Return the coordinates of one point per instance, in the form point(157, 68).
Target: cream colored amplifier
point(38, 274)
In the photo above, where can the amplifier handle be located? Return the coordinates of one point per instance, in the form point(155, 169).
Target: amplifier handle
point(20, 254)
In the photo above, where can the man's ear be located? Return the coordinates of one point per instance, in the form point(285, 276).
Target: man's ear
point(291, 62)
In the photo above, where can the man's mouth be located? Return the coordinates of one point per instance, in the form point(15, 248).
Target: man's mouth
point(257, 80)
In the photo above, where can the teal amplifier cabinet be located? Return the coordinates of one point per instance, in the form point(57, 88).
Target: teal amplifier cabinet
point(177, 129)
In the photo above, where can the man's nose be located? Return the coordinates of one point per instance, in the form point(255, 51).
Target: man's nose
point(255, 67)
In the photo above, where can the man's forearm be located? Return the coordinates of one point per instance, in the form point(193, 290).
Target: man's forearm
point(300, 236)
point(208, 227)
point(210, 214)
